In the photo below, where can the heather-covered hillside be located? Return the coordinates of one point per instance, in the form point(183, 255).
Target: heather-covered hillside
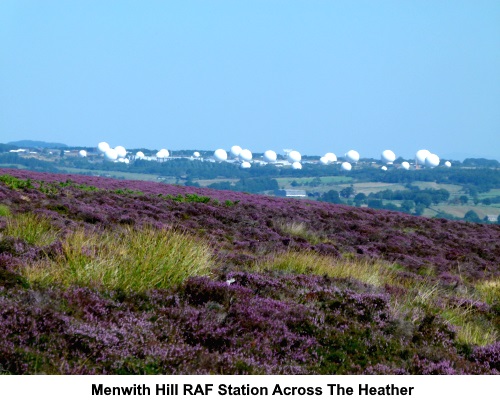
point(108, 276)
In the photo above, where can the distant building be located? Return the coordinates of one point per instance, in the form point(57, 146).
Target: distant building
point(291, 193)
point(492, 218)
point(72, 153)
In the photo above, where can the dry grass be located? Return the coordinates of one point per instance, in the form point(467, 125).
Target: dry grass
point(372, 272)
point(489, 290)
point(425, 296)
point(31, 228)
point(470, 328)
point(420, 296)
point(299, 229)
point(128, 259)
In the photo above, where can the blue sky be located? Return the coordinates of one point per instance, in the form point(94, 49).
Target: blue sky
point(316, 76)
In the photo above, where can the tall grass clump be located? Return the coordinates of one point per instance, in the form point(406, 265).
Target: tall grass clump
point(127, 259)
point(471, 329)
point(371, 272)
point(427, 297)
point(417, 297)
point(299, 229)
point(31, 228)
point(418, 300)
point(489, 290)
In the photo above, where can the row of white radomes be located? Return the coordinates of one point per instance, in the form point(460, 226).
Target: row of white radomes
point(422, 157)
point(119, 153)
point(245, 156)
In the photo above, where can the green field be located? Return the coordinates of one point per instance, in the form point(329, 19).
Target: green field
point(452, 188)
point(375, 187)
point(118, 175)
point(460, 210)
point(311, 184)
point(10, 166)
point(206, 183)
point(495, 192)
point(337, 183)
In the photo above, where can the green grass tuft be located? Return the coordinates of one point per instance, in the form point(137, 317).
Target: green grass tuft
point(489, 290)
point(14, 183)
point(4, 211)
point(127, 259)
point(31, 228)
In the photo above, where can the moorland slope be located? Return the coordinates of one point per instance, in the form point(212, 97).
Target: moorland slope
point(108, 276)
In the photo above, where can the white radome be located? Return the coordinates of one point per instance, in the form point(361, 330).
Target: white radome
point(421, 155)
point(388, 156)
point(83, 153)
point(196, 154)
point(111, 154)
point(352, 156)
point(245, 165)
point(324, 160)
point(220, 155)
point(270, 156)
point(432, 160)
point(246, 155)
point(384, 168)
point(297, 165)
point(405, 165)
point(235, 151)
point(294, 157)
point(346, 166)
point(139, 155)
point(121, 151)
point(103, 147)
point(331, 157)
point(447, 163)
point(162, 154)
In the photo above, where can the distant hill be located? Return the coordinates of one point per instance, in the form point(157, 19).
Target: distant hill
point(481, 162)
point(37, 144)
